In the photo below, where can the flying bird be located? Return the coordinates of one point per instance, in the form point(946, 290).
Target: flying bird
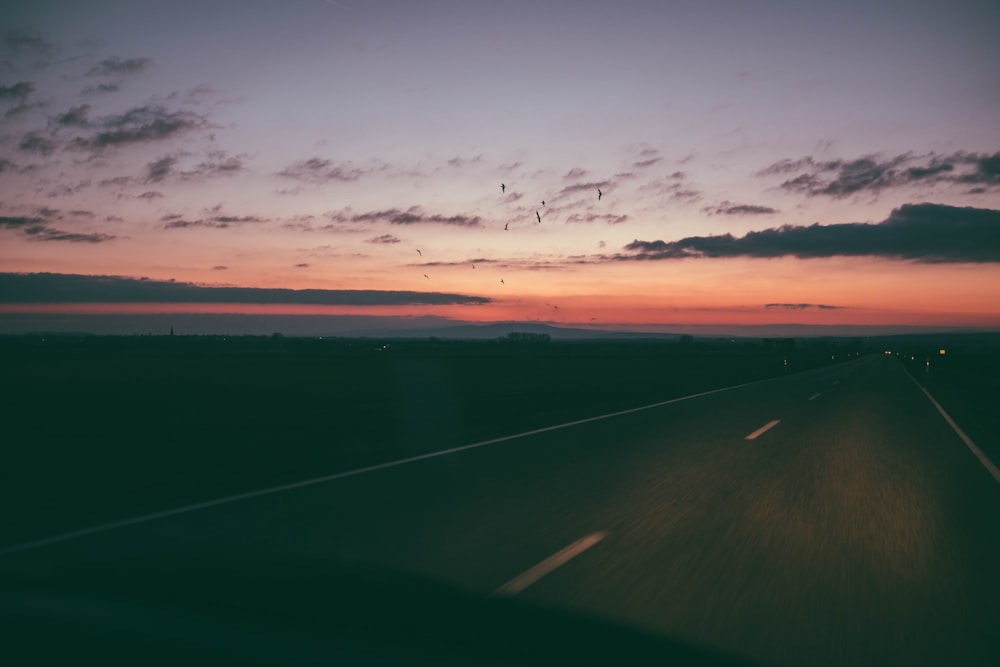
point(538, 216)
point(502, 282)
point(420, 253)
point(503, 187)
point(506, 225)
point(599, 194)
point(543, 202)
point(427, 276)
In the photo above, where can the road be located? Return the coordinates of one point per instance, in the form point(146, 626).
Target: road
point(830, 517)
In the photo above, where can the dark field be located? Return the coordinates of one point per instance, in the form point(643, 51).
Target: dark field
point(857, 530)
point(104, 428)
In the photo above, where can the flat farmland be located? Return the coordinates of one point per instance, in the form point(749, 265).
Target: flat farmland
point(104, 428)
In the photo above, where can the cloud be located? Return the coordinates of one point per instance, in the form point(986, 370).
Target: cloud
point(414, 215)
point(673, 186)
point(73, 288)
point(218, 164)
point(463, 263)
point(157, 170)
point(20, 109)
point(23, 42)
point(140, 125)
point(18, 91)
point(220, 267)
point(302, 265)
point(74, 117)
point(930, 233)
point(150, 195)
point(36, 143)
point(874, 173)
point(576, 172)
point(642, 164)
point(384, 238)
point(176, 221)
point(800, 306)
point(458, 161)
point(36, 230)
point(591, 186)
point(609, 218)
point(119, 66)
point(102, 88)
point(728, 208)
point(318, 170)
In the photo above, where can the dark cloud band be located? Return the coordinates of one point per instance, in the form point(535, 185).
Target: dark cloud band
point(73, 288)
point(930, 233)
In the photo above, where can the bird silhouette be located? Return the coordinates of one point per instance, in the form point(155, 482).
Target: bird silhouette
point(505, 227)
point(599, 194)
point(543, 202)
point(420, 253)
point(427, 276)
point(503, 187)
point(502, 282)
point(473, 266)
point(538, 216)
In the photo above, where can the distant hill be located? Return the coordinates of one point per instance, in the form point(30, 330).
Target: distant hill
point(501, 329)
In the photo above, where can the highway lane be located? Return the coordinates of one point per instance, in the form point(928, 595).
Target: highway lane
point(857, 529)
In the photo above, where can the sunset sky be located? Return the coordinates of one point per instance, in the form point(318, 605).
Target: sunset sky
point(759, 163)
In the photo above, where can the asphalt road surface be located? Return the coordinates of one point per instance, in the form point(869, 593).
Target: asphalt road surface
point(831, 517)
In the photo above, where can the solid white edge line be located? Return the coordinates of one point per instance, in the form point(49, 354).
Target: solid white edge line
point(341, 475)
point(558, 559)
point(992, 469)
point(763, 429)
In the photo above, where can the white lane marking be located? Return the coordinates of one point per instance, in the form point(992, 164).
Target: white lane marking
point(814, 396)
point(992, 469)
point(83, 532)
point(763, 429)
point(558, 559)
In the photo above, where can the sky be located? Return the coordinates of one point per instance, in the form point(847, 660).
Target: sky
point(651, 166)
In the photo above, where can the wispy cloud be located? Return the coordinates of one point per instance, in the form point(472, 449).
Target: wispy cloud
point(74, 288)
point(384, 238)
point(414, 215)
point(728, 208)
point(73, 117)
point(609, 218)
point(800, 306)
point(175, 221)
point(143, 124)
point(591, 186)
point(157, 170)
point(36, 229)
point(874, 173)
point(119, 66)
point(218, 163)
point(18, 91)
point(319, 170)
point(102, 88)
point(929, 233)
point(36, 143)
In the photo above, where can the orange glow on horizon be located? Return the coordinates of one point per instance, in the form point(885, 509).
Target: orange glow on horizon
point(575, 311)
